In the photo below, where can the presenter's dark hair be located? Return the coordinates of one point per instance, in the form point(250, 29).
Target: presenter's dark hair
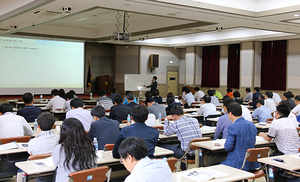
point(155, 77)
point(297, 97)
point(197, 88)
point(130, 96)
point(118, 99)
point(27, 98)
point(206, 99)
point(139, 113)
point(239, 101)
point(155, 92)
point(236, 94)
point(235, 109)
point(248, 90)
point(256, 89)
point(101, 93)
point(269, 94)
point(176, 110)
point(5, 107)
point(98, 111)
point(228, 101)
point(260, 101)
point(283, 110)
point(54, 92)
point(76, 102)
point(78, 147)
point(45, 121)
point(229, 90)
point(134, 146)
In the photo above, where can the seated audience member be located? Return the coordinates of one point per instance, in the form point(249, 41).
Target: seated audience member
point(262, 113)
point(236, 95)
point(12, 125)
point(104, 129)
point(56, 102)
point(75, 151)
point(291, 116)
point(269, 102)
point(276, 98)
point(119, 112)
point(229, 92)
point(45, 140)
point(156, 108)
point(284, 132)
point(207, 108)
point(170, 94)
point(240, 137)
point(130, 100)
point(214, 99)
point(104, 101)
point(148, 95)
point(133, 152)
point(186, 129)
point(246, 114)
point(156, 96)
point(218, 94)
point(30, 112)
point(287, 96)
point(296, 109)
point(125, 100)
point(61, 93)
point(151, 120)
point(249, 95)
point(188, 98)
point(198, 94)
point(223, 121)
point(171, 103)
point(139, 114)
point(79, 113)
point(113, 92)
point(69, 97)
point(255, 97)
point(183, 92)
point(74, 93)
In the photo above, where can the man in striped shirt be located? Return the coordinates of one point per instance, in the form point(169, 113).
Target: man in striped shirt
point(104, 101)
point(186, 129)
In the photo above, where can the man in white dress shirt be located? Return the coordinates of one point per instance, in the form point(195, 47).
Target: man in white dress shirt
point(199, 94)
point(207, 108)
point(56, 102)
point(133, 152)
point(245, 111)
point(276, 97)
point(12, 125)
point(269, 102)
point(79, 113)
point(188, 98)
point(296, 109)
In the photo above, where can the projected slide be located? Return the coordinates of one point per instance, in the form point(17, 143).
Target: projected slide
point(40, 65)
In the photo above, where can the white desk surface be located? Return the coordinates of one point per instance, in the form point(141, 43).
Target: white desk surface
point(291, 162)
point(235, 174)
point(262, 126)
point(13, 100)
point(12, 151)
point(190, 110)
point(31, 168)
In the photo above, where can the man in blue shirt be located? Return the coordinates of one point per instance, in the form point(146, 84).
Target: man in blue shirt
point(262, 112)
point(30, 113)
point(224, 121)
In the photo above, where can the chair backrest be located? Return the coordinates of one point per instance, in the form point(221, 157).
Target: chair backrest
point(198, 140)
point(172, 162)
point(98, 174)
point(254, 153)
point(108, 147)
point(15, 139)
point(158, 127)
point(39, 156)
point(298, 130)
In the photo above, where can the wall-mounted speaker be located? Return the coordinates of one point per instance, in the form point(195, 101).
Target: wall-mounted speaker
point(154, 61)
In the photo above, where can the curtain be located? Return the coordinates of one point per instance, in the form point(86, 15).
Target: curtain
point(210, 66)
point(273, 65)
point(233, 70)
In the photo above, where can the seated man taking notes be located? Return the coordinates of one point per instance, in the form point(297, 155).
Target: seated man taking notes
point(30, 112)
point(240, 137)
point(56, 102)
point(223, 121)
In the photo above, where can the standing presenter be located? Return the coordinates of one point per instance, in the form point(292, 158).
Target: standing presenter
point(153, 85)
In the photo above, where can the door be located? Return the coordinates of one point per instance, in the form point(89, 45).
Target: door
point(172, 83)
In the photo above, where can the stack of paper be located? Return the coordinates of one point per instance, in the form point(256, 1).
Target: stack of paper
point(203, 174)
point(9, 146)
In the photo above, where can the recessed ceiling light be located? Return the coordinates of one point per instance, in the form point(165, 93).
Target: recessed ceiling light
point(81, 19)
point(296, 15)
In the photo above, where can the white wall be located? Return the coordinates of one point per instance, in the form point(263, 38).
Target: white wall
point(293, 64)
point(246, 69)
point(223, 64)
point(198, 65)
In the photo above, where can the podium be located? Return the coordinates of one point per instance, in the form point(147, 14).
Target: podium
point(104, 82)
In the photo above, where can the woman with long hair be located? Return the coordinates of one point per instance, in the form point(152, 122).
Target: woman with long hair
point(75, 150)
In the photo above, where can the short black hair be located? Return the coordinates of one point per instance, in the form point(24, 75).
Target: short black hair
point(69, 95)
point(76, 102)
point(73, 92)
point(297, 97)
point(183, 89)
point(149, 100)
point(256, 89)
point(176, 110)
point(139, 113)
point(210, 92)
point(170, 100)
point(170, 94)
point(283, 110)
point(287, 103)
point(225, 97)
point(260, 101)
point(187, 90)
point(113, 90)
point(98, 111)
point(148, 94)
point(101, 93)
point(27, 98)
point(227, 101)
point(54, 92)
point(269, 94)
point(235, 109)
point(229, 90)
point(236, 94)
point(206, 99)
point(288, 95)
point(134, 146)
point(130, 96)
point(118, 99)
point(5, 107)
point(248, 90)
point(197, 88)
point(45, 121)
point(155, 92)
point(155, 77)
point(239, 101)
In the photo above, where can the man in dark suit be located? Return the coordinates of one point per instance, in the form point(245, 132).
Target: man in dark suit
point(103, 127)
point(119, 112)
point(240, 137)
point(30, 113)
point(153, 85)
point(255, 97)
point(139, 115)
point(130, 100)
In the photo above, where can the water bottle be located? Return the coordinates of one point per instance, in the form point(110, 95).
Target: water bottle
point(95, 142)
point(140, 94)
point(128, 120)
point(159, 118)
point(35, 126)
point(41, 97)
point(138, 101)
point(91, 96)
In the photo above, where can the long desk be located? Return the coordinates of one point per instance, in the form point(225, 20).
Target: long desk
point(234, 174)
point(13, 151)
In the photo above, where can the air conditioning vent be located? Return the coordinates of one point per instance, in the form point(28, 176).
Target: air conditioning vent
point(46, 13)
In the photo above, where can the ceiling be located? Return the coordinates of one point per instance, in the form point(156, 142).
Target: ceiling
point(154, 22)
